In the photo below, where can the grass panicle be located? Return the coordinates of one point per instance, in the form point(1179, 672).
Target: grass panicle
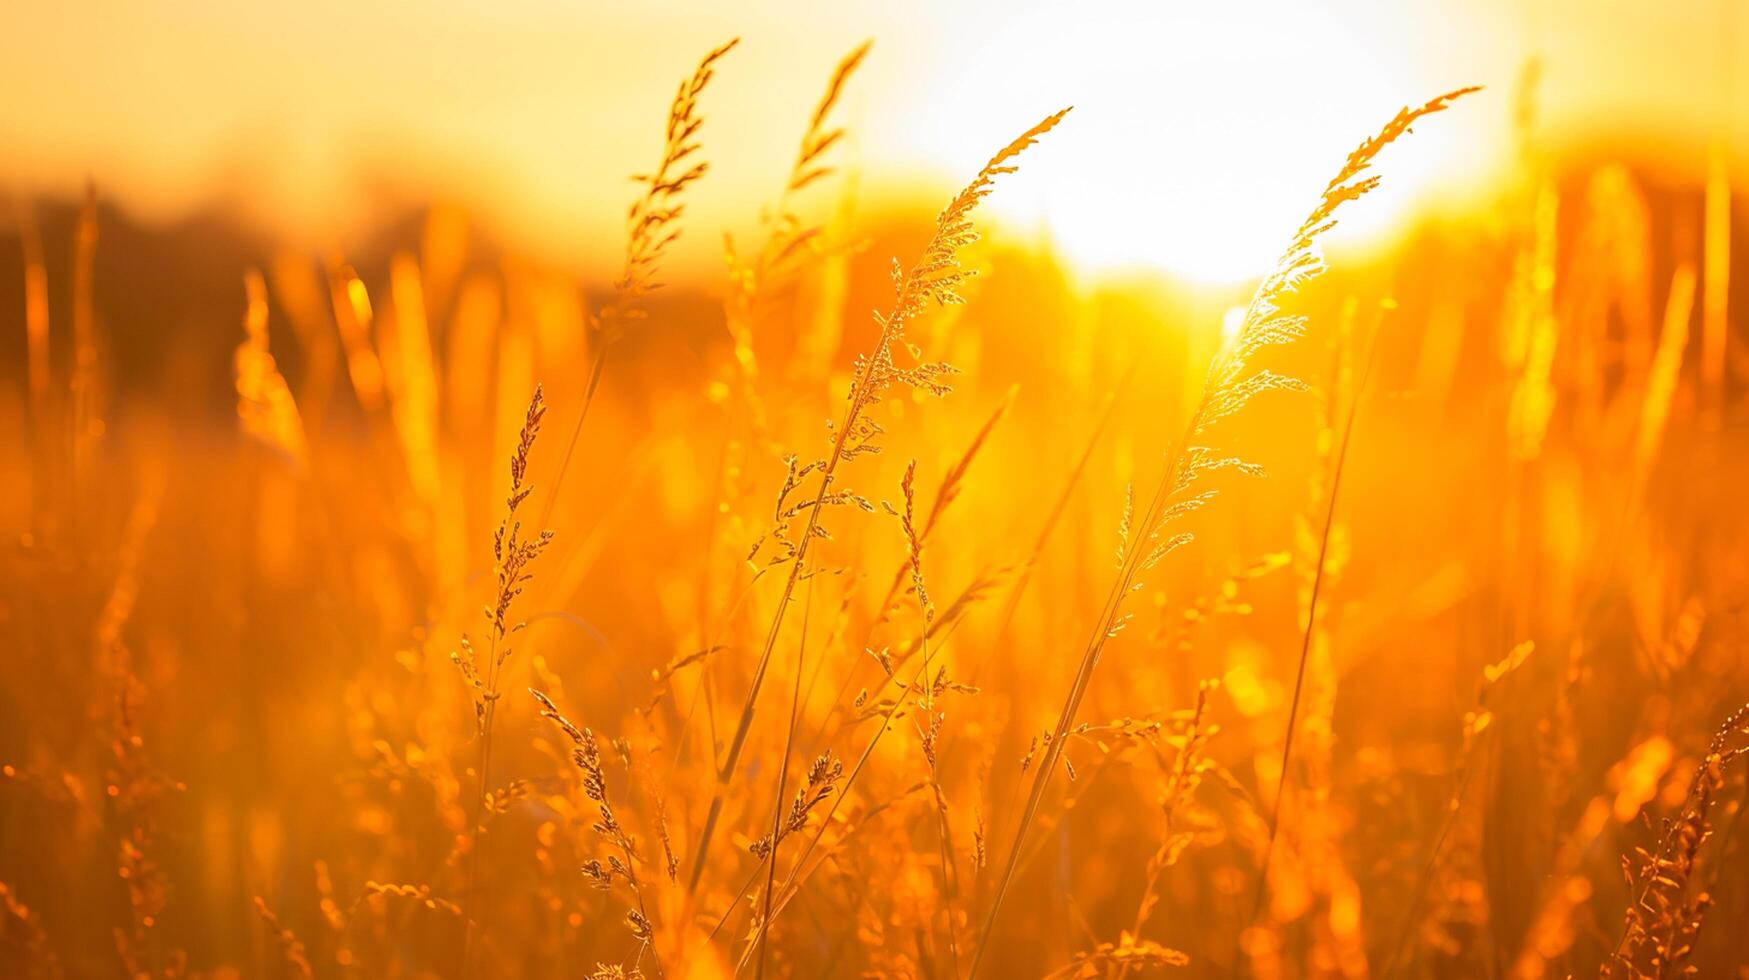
point(1230, 386)
point(512, 556)
point(936, 275)
point(1670, 905)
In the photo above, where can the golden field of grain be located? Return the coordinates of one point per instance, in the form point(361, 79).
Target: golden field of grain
point(883, 597)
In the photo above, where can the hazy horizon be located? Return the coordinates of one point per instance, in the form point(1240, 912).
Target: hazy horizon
point(531, 117)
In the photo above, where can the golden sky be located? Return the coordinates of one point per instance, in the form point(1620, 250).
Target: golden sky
point(1201, 130)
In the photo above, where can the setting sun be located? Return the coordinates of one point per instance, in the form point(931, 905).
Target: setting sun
point(1183, 122)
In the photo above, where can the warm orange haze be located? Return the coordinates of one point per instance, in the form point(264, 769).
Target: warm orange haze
point(1283, 516)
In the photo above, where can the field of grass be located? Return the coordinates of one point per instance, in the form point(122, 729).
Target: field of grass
point(892, 604)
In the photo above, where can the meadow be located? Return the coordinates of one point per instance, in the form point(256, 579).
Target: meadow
point(890, 604)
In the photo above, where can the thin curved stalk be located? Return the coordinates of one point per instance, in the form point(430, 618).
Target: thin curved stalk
point(597, 364)
point(795, 710)
point(1293, 712)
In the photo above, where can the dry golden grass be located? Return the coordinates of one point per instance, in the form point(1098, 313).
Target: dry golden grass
point(1435, 690)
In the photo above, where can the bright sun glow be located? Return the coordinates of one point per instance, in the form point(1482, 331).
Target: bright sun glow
point(1198, 139)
